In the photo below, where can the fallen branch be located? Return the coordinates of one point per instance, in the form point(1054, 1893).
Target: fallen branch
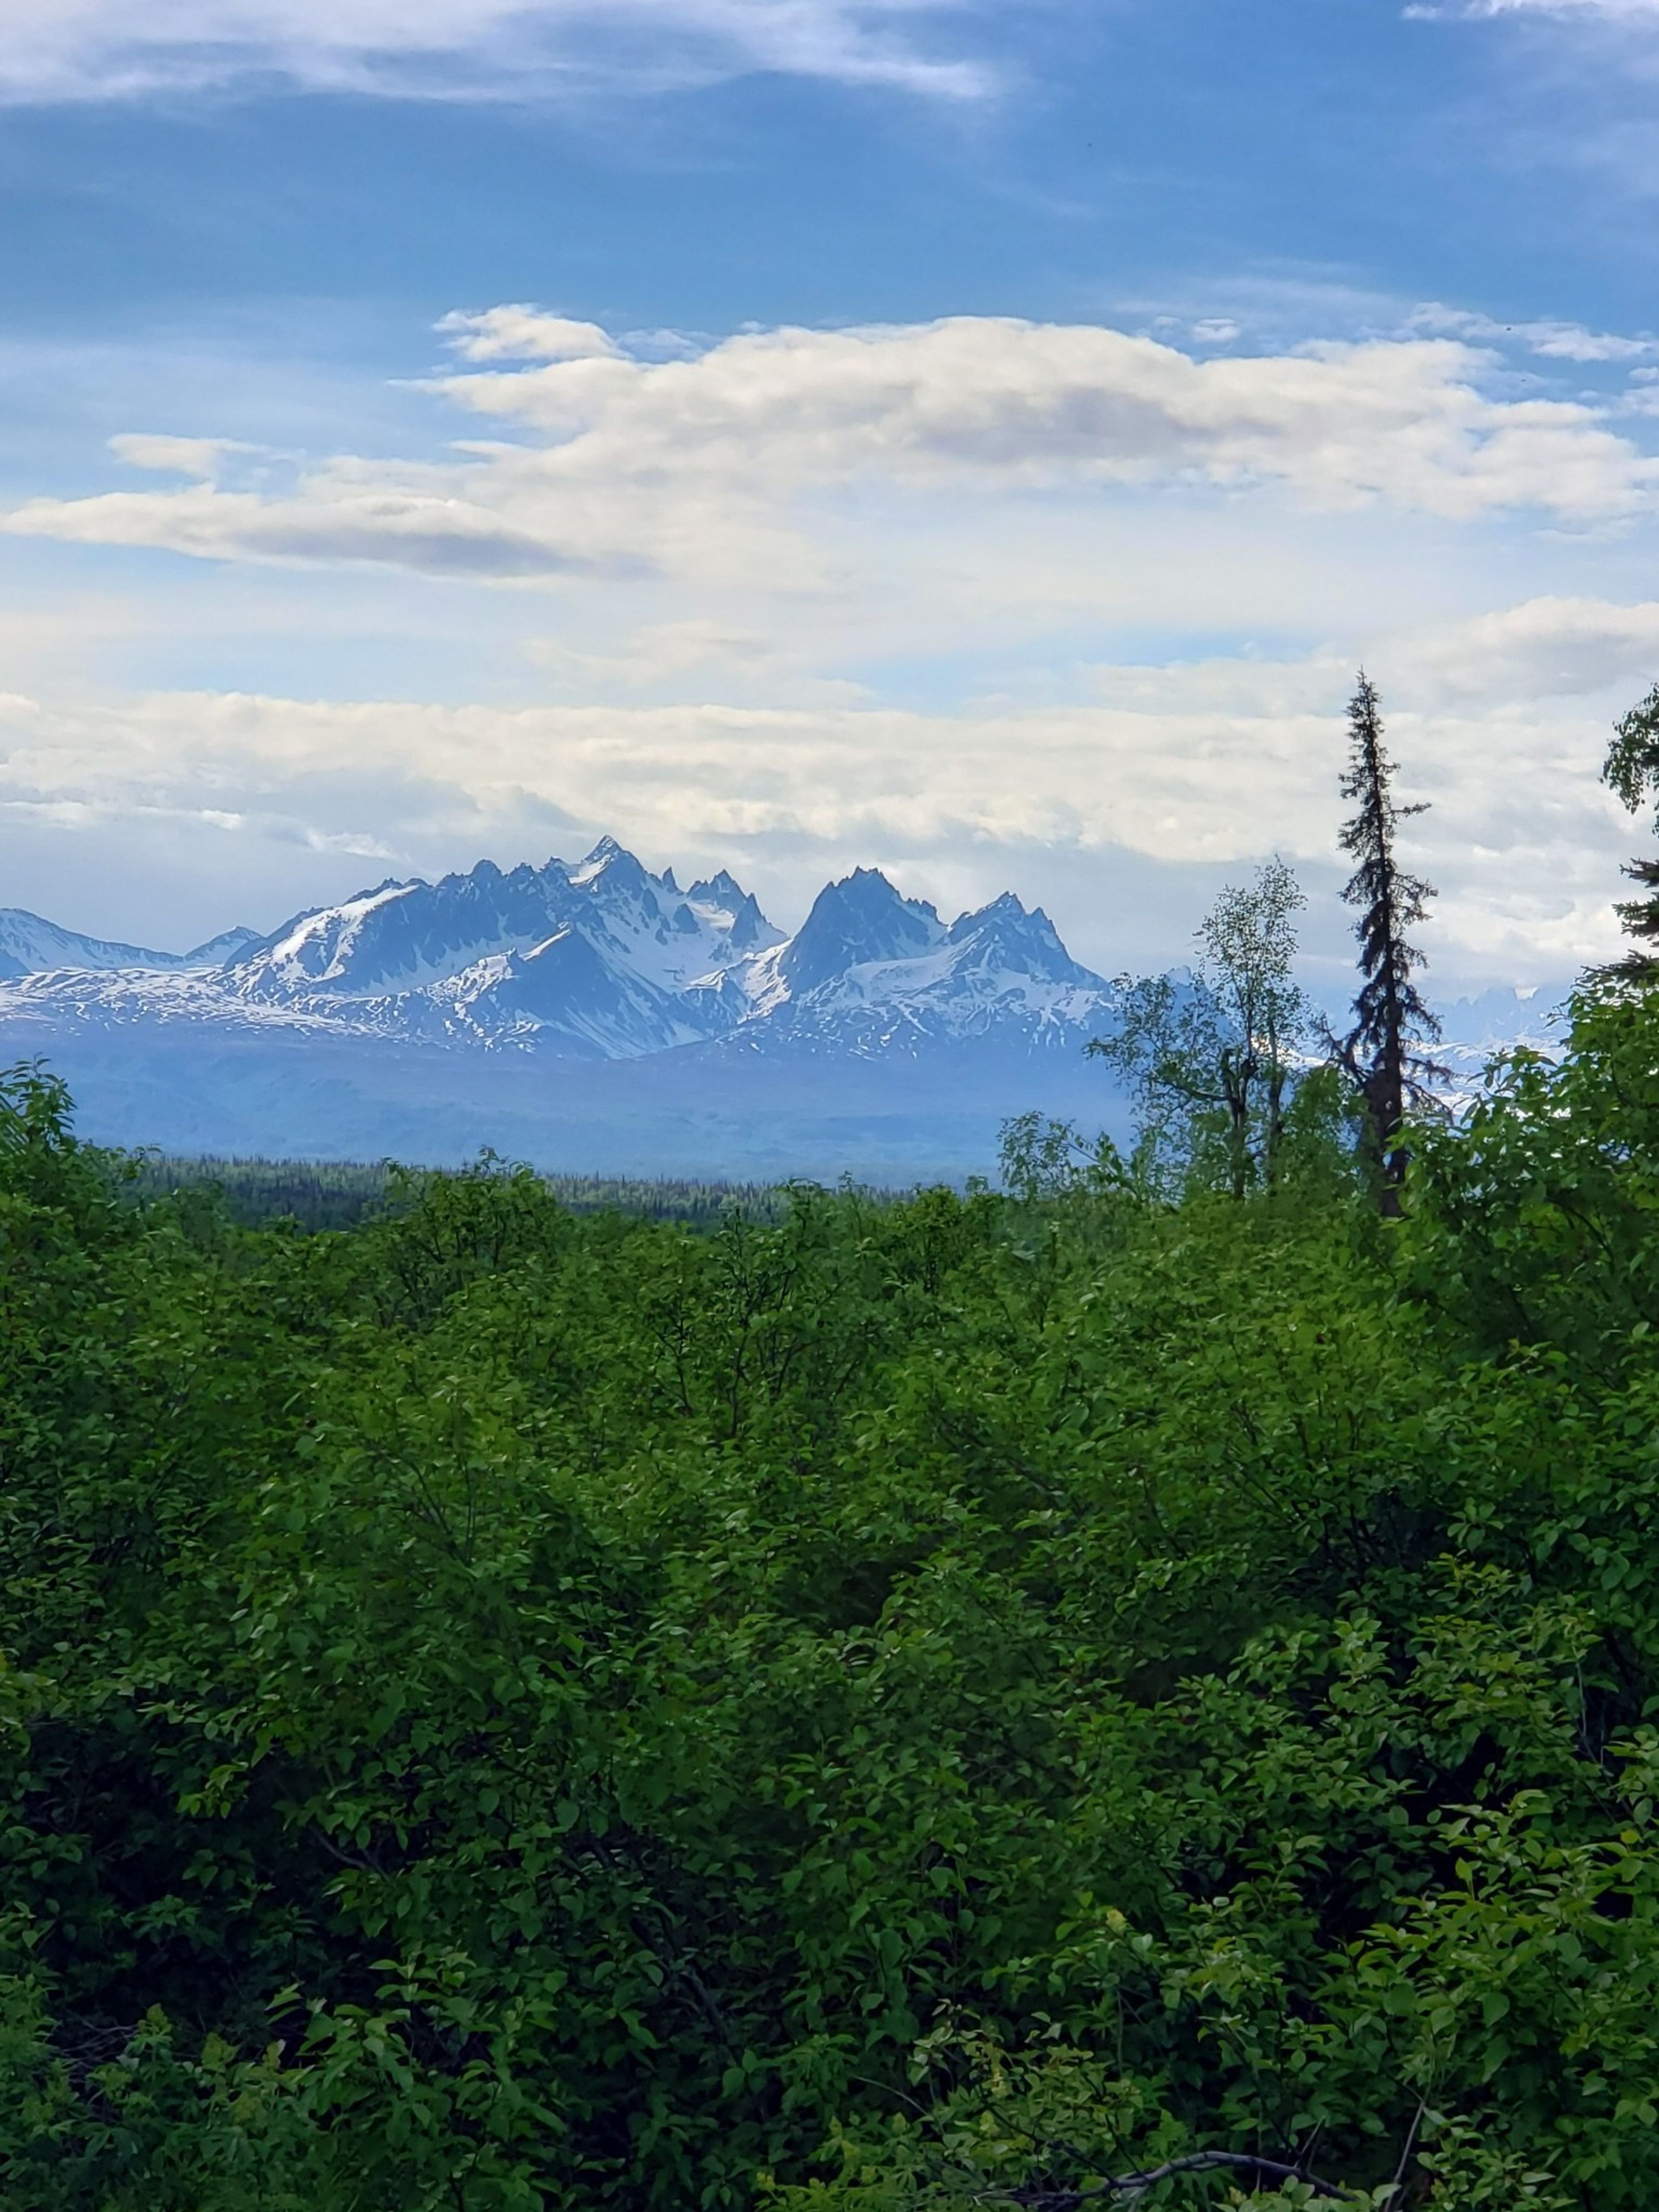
point(1130, 2187)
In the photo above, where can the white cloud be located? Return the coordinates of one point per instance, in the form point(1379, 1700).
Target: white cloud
point(360, 844)
point(1500, 721)
point(525, 333)
point(409, 518)
point(1616, 11)
point(73, 50)
point(1546, 648)
point(753, 460)
point(1550, 340)
point(202, 458)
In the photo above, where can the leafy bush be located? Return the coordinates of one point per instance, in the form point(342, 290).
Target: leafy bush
point(1037, 1698)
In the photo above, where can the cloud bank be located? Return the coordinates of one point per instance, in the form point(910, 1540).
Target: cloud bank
point(740, 463)
point(80, 50)
point(1202, 764)
point(988, 601)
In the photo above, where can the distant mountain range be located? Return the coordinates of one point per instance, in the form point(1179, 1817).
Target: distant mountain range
point(591, 1015)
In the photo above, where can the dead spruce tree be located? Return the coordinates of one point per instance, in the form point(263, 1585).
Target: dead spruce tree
point(1382, 1053)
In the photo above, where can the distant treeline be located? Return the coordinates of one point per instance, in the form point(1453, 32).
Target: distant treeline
point(316, 1194)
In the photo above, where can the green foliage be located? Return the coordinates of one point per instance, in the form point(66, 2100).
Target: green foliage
point(1213, 1057)
point(1632, 767)
point(1631, 771)
point(879, 1706)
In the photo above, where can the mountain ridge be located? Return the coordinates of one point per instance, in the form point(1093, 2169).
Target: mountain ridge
point(591, 1016)
point(31, 945)
point(600, 958)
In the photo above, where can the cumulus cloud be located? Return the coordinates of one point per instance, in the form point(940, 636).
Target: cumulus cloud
point(75, 50)
point(725, 464)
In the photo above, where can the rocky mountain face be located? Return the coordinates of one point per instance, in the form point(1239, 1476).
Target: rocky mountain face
point(601, 960)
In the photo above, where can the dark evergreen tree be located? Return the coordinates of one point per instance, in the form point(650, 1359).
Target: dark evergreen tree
point(1382, 1053)
point(1631, 769)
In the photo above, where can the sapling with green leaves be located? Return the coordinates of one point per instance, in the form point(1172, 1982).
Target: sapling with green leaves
point(1214, 1057)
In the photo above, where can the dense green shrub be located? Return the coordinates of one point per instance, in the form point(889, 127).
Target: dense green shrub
point(900, 1703)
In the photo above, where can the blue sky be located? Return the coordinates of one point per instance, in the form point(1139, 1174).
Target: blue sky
point(791, 433)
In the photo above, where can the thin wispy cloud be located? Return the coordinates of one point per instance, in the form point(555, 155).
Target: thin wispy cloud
point(1636, 12)
point(55, 51)
point(1550, 340)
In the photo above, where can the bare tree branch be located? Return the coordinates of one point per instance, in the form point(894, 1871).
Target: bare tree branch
point(1129, 2188)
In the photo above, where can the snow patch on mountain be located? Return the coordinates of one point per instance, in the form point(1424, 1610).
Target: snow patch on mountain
point(136, 998)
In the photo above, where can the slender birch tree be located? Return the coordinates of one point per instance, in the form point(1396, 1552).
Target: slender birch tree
point(1212, 1056)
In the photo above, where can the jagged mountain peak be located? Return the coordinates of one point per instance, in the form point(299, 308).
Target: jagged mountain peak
point(615, 861)
point(414, 935)
point(604, 959)
point(722, 884)
point(1007, 933)
point(858, 920)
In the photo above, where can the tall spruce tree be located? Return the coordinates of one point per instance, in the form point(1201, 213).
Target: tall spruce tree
point(1382, 1053)
point(1631, 769)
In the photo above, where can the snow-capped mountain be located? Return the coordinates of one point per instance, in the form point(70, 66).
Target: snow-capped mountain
point(871, 972)
point(690, 1012)
point(29, 946)
point(599, 960)
point(602, 960)
point(401, 936)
